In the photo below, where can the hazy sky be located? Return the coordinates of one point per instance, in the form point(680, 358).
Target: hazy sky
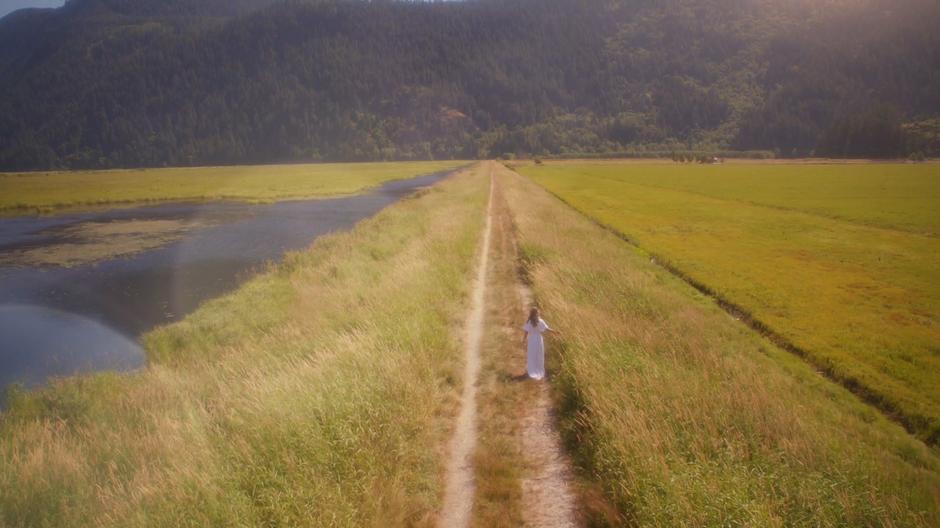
point(12, 5)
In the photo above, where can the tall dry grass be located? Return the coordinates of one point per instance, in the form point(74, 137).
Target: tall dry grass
point(685, 417)
point(499, 461)
point(319, 394)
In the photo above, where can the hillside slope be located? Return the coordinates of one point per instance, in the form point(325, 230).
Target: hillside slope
point(105, 83)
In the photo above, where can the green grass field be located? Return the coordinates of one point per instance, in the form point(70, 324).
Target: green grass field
point(28, 192)
point(682, 415)
point(320, 393)
point(841, 260)
point(893, 196)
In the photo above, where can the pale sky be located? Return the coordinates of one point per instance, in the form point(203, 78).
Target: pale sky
point(12, 5)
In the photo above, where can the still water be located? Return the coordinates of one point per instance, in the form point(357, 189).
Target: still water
point(57, 321)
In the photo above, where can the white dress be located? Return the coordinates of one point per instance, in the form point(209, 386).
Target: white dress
point(535, 358)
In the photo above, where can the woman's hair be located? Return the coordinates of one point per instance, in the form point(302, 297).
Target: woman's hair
point(534, 316)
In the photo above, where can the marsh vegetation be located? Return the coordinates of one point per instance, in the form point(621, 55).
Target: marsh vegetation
point(78, 287)
point(319, 393)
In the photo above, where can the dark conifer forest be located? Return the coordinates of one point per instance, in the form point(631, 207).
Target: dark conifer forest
point(123, 83)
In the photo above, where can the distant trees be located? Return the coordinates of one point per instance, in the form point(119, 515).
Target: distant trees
point(684, 106)
point(873, 132)
point(923, 138)
point(110, 83)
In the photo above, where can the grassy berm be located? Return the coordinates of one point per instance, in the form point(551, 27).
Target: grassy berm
point(319, 394)
point(684, 416)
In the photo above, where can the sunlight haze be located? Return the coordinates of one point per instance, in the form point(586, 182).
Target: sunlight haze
point(8, 6)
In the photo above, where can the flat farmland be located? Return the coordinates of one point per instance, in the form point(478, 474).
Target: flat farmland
point(842, 260)
point(46, 191)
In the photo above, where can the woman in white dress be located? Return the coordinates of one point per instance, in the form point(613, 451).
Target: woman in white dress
point(534, 327)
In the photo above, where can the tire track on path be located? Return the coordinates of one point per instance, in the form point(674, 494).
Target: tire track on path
point(460, 487)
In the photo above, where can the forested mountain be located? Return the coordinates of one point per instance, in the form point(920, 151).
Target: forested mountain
point(108, 83)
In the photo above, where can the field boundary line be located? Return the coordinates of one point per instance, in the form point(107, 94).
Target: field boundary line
point(460, 485)
point(861, 391)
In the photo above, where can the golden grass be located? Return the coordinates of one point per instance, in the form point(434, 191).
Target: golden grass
point(503, 394)
point(687, 418)
point(829, 257)
point(889, 195)
point(319, 394)
point(45, 191)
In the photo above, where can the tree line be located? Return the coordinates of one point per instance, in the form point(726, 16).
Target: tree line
point(119, 83)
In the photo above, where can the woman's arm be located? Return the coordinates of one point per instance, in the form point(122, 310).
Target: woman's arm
point(525, 336)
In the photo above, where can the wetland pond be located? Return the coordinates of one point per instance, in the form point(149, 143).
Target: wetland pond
point(77, 289)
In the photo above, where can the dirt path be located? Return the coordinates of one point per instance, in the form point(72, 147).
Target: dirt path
point(547, 496)
point(546, 491)
point(548, 499)
point(460, 487)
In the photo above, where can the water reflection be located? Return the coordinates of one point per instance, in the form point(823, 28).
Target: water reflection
point(57, 321)
point(31, 353)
